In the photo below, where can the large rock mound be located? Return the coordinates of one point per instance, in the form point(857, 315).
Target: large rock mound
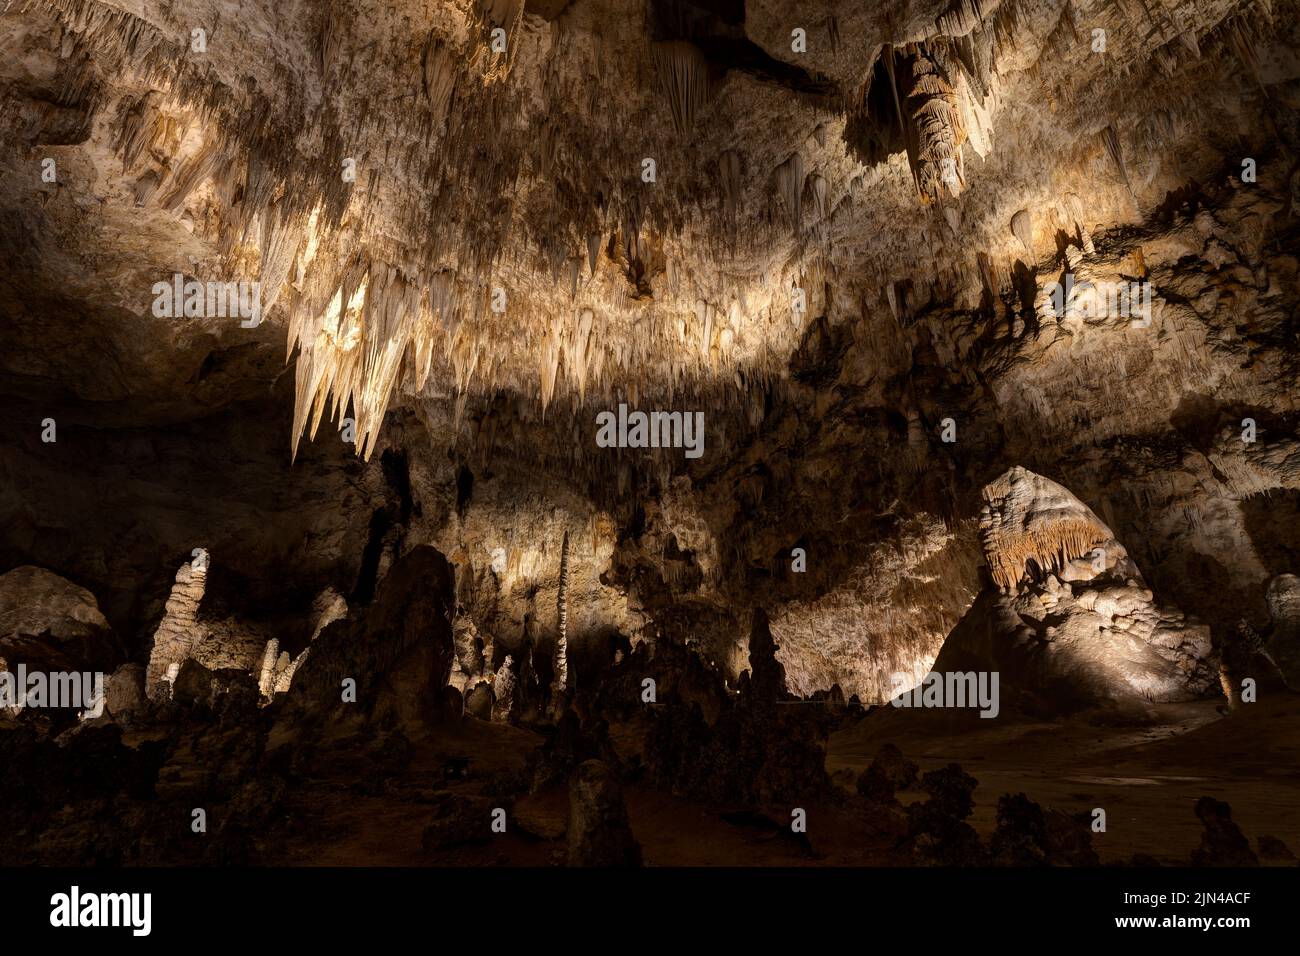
point(398, 653)
point(49, 623)
point(1070, 623)
point(598, 832)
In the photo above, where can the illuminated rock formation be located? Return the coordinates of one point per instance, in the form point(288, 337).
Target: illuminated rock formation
point(1030, 525)
point(503, 689)
point(561, 683)
point(179, 633)
point(47, 622)
point(1072, 623)
point(877, 248)
point(267, 677)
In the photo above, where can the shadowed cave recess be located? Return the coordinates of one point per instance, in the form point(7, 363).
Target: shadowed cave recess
point(973, 330)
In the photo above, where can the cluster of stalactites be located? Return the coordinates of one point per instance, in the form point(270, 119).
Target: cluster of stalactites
point(369, 331)
point(371, 311)
point(941, 96)
point(1052, 548)
point(683, 79)
point(933, 125)
point(1027, 517)
point(379, 325)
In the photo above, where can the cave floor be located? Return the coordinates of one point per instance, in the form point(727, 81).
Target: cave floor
point(1147, 777)
point(336, 822)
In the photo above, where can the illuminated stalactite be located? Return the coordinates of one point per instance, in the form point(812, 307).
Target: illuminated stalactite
point(934, 128)
point(1027, 517)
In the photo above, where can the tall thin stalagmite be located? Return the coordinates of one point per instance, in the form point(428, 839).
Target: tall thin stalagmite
point(562, 602)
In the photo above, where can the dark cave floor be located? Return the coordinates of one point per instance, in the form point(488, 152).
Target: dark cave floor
point(1146, 777)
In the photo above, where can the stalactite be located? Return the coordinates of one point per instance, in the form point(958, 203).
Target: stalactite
point(729, 179)
point(1116, 153)
point(327, 42)
point(933, 125)
point(789, 183)
point(141, 129)
point(1023, 229)
point(268, 163)
point(1028, 517)
point(279, 242)
point(190, 174)
point(1242, 41)
point(438, 71)
point(817, 187)
point(960, 18)
point(684, 78)
point(504, 14)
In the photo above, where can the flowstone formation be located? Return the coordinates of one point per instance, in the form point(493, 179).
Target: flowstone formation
point(1070, 622)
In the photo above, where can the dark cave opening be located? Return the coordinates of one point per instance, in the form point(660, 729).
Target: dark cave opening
point(717, 29)
point(464, 488)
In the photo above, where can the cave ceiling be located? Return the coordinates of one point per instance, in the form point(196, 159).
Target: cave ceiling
point(631, 199)
point(474, 226)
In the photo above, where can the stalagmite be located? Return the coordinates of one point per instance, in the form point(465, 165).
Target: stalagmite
point(285, 668)
point(562, 623)
point(266, 677)
point(503, 689)
point(179, 632)
point(1071, 612)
